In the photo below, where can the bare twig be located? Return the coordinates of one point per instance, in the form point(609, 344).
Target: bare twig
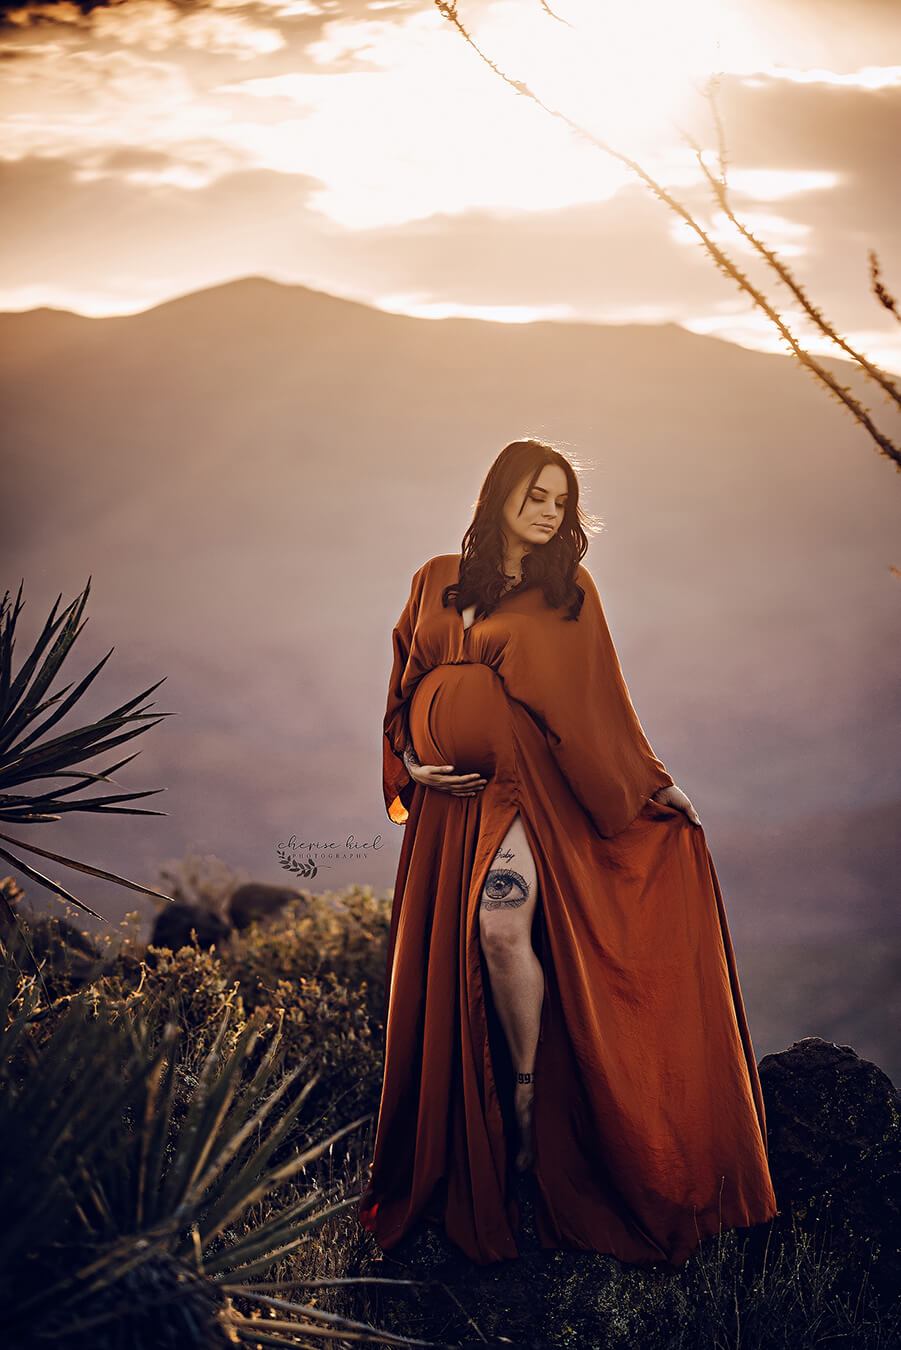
point(885, 298)
point(720, 189)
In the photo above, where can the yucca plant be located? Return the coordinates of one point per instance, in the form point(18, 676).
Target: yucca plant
point(27, 756)
point(127, 1184)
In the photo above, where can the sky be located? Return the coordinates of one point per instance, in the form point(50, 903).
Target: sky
point(149, 149)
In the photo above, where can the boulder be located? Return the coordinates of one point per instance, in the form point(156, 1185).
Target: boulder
point(834, 1129)
point(173, 924)
point(256, 900)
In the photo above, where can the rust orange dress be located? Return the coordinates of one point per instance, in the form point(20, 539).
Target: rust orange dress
point(648, 1121)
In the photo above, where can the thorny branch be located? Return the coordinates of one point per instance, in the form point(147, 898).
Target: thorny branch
point(720, 189)
point(885, 298)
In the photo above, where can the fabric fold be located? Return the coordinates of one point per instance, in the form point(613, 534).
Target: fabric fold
point(574, 681)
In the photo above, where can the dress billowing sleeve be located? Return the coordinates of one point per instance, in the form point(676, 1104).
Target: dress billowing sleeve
point(592, 727)
point(397, 784)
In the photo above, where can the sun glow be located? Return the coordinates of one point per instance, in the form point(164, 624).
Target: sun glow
point(418, 308)
point(622, 71)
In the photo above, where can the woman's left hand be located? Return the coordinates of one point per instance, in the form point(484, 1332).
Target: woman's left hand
point(671, 795)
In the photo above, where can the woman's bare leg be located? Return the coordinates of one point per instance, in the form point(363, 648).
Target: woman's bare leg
point(506, 910)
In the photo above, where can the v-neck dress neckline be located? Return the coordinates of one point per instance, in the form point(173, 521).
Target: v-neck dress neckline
point(511, 590)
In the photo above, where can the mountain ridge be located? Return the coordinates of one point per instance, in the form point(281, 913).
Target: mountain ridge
point(243, 286)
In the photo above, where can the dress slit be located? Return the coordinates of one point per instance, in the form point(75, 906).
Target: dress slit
point(490, 1057)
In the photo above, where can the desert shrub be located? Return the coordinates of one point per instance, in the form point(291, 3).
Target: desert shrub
point(305, 971)
point(341, 933)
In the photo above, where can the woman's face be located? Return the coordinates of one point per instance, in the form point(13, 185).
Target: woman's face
point(543, 511)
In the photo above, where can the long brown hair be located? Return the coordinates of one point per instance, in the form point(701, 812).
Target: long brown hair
point(552, 566)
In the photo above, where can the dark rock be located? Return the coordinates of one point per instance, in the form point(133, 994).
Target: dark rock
point(834, 1130)
point(173, 925)
point(256, 900)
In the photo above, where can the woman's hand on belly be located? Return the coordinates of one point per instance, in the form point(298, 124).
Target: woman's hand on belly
point(442, 776)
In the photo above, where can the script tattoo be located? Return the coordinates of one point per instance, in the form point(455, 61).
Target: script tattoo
point(504, 889)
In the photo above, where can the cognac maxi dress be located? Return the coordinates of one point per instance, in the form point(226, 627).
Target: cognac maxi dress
point(648, 1120)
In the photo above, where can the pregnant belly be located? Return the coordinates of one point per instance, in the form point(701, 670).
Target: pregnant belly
point(460, 715)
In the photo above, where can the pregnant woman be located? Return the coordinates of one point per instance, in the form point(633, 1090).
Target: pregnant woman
point(562, 990)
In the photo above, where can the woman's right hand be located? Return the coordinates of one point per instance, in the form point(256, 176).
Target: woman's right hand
point(443, 777)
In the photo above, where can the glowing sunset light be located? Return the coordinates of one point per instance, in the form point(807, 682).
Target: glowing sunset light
point(424, 309)
point(772, 184)
point(871, 77)
point(622, 71)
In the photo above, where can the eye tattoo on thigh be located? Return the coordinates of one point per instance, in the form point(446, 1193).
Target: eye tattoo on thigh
point(501, 887)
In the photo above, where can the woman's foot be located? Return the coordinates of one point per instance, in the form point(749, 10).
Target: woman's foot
point(523, 1094)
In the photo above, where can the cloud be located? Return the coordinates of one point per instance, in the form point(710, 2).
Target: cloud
point(154, 26)
point(869, 77)
point(779, 123)
point(611, 260)
point(607, 259)
point(87, 13)
point(110, 242)
point(44, 14)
